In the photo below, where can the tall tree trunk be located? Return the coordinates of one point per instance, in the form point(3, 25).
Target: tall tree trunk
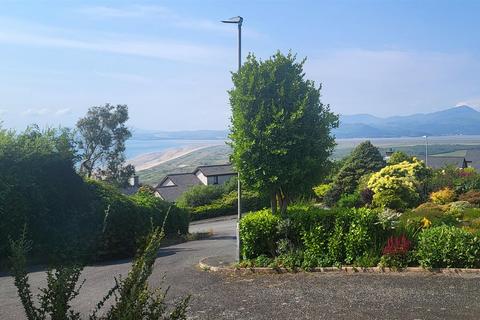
point(282, 202)
point(273, 202)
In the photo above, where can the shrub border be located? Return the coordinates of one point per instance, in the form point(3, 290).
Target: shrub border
point(347, 269)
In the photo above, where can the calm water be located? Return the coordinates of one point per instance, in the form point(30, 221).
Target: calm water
point(137, 147)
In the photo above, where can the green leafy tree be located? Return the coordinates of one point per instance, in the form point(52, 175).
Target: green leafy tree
point(364, 159)
point(102, 137)
point(399, 156)
point(280, 132)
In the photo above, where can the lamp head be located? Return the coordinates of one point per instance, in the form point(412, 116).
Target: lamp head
point(238, 20)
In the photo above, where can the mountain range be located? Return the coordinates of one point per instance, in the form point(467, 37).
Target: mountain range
point(461, 120)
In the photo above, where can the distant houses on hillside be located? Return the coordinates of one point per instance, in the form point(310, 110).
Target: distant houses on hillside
point(173, 185)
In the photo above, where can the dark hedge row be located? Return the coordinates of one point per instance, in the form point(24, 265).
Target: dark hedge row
point(64, 215)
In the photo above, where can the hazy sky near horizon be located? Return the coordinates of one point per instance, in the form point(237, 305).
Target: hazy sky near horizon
point(170, 61)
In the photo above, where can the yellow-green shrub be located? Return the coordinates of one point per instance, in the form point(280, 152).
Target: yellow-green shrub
point(396, 186)
point(444, 196)
point(321, 189)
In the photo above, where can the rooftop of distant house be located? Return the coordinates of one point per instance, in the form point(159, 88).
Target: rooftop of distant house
point(174, 185)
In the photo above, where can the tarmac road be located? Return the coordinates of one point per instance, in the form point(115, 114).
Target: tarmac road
point(285, 296)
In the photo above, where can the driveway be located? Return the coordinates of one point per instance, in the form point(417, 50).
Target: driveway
point(287, 296)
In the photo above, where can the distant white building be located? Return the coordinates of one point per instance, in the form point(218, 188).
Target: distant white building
point(173, 185)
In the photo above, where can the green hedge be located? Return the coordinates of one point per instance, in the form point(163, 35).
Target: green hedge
point(259, 234)
point(127, 220)
point(64, 215)
point(227, 205)
point(325, 236)
point(448, 246)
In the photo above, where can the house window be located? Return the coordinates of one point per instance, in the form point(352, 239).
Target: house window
point(215, 180)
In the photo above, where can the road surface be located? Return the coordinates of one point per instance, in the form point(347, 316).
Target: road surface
point(286, 296)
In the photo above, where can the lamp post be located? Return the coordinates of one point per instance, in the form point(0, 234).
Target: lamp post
point(426, 150)
point(238, 21)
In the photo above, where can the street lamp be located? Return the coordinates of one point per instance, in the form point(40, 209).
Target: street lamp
point(238, 21)
point(426, 150)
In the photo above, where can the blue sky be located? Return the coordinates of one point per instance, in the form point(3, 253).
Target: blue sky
point(170, 60)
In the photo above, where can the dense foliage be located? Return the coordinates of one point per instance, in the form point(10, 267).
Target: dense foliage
point(227, 205)
point(201, 195)
point(308, 237)
point(318, 237)
point(40, 188)
point(127, 220)
point(364, 159)
point(398, 157)
point(66, 216)
point(219, 200)
point(448, 246)
point(280, 131)
point(398, 186)
point(443, 196)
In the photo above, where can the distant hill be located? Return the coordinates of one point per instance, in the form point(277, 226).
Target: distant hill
point(462, 120)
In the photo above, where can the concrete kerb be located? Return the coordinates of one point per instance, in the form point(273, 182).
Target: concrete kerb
point(206, 265)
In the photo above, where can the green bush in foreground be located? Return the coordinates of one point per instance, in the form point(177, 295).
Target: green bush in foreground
point(258, 232)
point(127, 220)
point(313, 236)
point(448, 246)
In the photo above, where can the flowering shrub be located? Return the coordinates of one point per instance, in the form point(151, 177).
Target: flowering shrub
point(397, 245)
point(425, 223)
point(396, 186)
point(443, 196)
point(395, 252)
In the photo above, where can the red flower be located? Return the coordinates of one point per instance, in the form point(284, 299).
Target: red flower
point(397, 245)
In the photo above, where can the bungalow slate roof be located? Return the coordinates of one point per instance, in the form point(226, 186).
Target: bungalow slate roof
point(473, 158)
point(440, 162)
point(183, 181)
point(171, 193)
point(216, 170)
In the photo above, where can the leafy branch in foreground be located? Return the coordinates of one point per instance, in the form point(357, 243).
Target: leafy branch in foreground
point(56, 297)
point(133, 298)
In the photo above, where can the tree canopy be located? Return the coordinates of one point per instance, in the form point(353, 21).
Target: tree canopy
point(280, 131)
point(101, 139)
point(398, 157)
point(364, 159)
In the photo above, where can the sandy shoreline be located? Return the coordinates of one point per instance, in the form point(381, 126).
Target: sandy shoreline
point(150, 160)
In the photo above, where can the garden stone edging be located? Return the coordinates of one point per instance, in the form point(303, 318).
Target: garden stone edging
point(228, 268)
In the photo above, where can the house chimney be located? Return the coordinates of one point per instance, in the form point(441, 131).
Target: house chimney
point(133, 181)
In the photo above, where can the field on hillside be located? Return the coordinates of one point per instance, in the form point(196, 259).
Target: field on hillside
point(452, 146)
point(187, 163)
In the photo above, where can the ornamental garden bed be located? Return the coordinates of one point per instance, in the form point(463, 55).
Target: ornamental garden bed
point(310, 238)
